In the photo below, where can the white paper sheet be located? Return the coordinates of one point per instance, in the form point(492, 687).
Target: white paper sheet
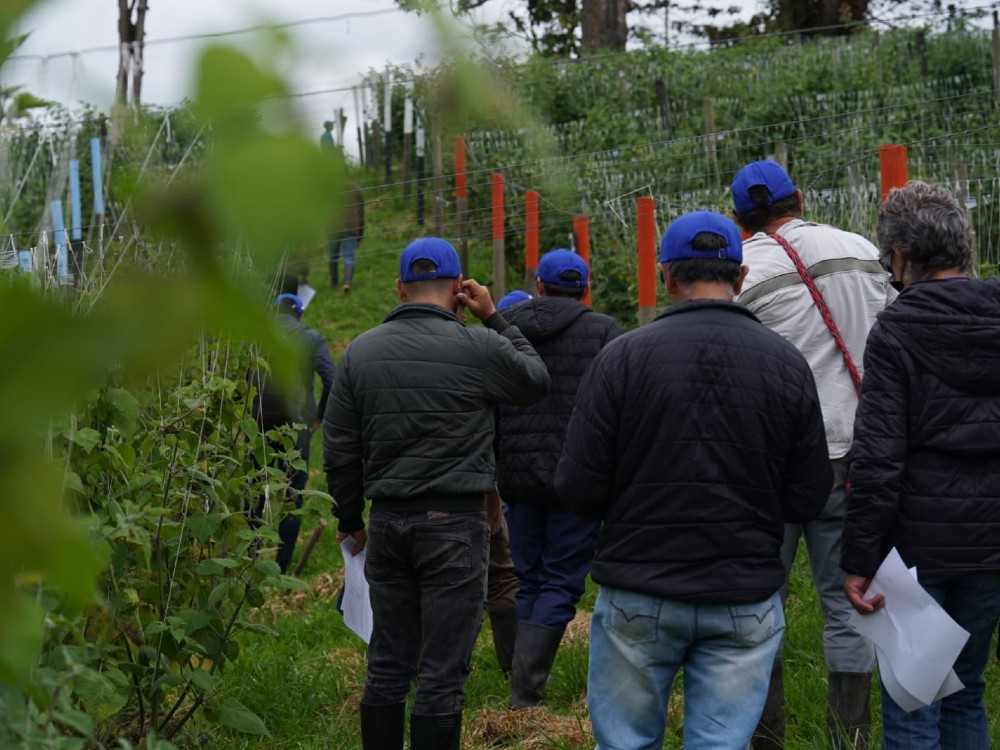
point(356, 606)
point(305, 293)
point(916, 642)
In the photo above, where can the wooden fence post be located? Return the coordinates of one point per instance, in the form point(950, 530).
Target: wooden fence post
point(581, 231)
point(461, 199)
point(893, 167)
point(530, 239)
point(387, 124)
point(437, 160)
point(996, 54)
point(407, 137)
point(498, 232)
point(708, 110)
point(420, 171)
point(646, 220)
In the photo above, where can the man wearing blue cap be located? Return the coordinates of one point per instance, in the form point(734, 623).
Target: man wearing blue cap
point(410, 425)
point(552, 547)
point(692, 439)
point(820, 288)
point(273, 408)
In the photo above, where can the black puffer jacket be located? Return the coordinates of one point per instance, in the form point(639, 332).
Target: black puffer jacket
point(567, 336)
point(694, 438)
point(926, 471)
point(411, 415)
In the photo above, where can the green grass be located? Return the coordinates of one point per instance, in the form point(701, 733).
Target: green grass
point(306, 683)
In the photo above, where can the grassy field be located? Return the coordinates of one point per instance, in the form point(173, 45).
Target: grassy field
point(306, 682)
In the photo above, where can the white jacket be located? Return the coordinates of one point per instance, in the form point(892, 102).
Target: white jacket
point(855, 286)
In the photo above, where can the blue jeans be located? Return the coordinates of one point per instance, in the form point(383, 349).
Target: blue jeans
point(342, 247)
point(553, 551)
point(427, 582)
point(957, 722)
point(639, 642)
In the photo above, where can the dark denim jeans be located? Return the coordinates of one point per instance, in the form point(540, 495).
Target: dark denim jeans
point(427, 582)
point(957, 722)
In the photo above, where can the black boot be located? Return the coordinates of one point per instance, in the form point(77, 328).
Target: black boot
point(504, 625)
point(534, 652)
point(770, 732)
point(382, 727)
point(435, 732)
point(848, 709)
point(348, 278)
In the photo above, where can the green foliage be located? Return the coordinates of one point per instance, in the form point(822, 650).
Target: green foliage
point(129, 459)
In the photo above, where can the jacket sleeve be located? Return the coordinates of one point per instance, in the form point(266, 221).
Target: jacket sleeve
point(327, 371)
point(515, 374)
point(342, 453)
point(808, 476)
point(586, 470)
point(880, 451)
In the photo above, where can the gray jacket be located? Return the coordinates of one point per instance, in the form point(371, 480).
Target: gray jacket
point(411, 417)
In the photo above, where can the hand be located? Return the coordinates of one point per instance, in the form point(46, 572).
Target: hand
point(360, 539)
point(315, 425)
point(855, 587)
point(477, 299)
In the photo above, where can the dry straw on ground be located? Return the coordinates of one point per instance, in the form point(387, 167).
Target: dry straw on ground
point(528, 729)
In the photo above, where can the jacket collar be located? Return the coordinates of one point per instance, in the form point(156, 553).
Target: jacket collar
point(706, 304)
point(420, 309)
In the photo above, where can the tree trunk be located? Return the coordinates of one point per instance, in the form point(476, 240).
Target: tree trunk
point(139, 51)
point(131, 38)
point(603, 24)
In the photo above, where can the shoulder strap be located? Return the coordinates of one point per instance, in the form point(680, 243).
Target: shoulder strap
point(824, 311)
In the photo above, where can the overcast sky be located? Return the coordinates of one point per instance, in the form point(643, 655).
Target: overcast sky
point(334, 53)
point(59, 61)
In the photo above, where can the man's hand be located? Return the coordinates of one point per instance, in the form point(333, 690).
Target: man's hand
point(855, 587)
point(360, 539)
point(477, 299)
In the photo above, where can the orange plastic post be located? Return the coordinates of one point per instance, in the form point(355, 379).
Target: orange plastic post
point(499, 255)
point(581, 230)
point(646, 220)
point(893, 167)
point(460, 187)
point(530, 238)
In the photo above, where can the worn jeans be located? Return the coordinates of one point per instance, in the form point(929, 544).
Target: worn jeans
point(553, 552)
point(639, 642)
point(845, 649)
point(427, 583)
point(957, 722)
point(342, 247)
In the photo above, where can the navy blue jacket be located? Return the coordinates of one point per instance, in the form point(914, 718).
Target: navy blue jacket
point(694, 438)
point(567, 336)
point(926, 471)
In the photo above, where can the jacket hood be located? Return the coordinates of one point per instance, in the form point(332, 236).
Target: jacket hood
point(952, 329)
point(542, 318)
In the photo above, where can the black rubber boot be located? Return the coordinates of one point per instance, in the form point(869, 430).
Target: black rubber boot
point(348, 278)
point(504, 625)
point(848, 709)
point(770, 732)
point(383, 727)
point(435, 732)
point(534, 652)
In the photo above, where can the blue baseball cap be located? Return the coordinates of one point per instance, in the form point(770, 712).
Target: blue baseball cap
point(555, 263)
point(765, 173)
point(292, 301)
point(439, 252)
point(676, 243)
point(512, 298)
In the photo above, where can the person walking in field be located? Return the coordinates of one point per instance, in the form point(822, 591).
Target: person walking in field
point(820, 288)
point(410, 424)
point(693, 438)
point(552, 547)
point(344, 241)
point(926, 471)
